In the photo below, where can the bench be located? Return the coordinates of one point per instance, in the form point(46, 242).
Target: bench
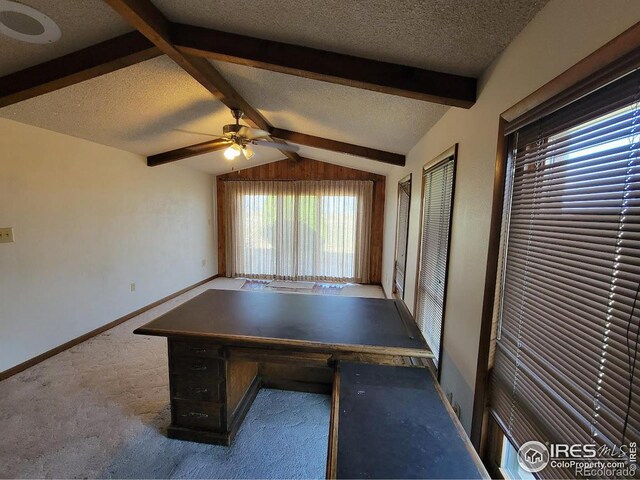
point(394, 422)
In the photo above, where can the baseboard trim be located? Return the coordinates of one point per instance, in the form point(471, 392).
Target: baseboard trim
point(71, 343)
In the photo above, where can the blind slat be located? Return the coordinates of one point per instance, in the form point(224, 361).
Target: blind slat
point(436, 218)
point(568, 308)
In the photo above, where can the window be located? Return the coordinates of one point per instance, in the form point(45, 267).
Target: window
point(402, 236)
point(567, 333)
point(437, 203)
point(510, 468)
point(306, 230)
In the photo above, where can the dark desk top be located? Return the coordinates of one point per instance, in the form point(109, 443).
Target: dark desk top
point(394, 423)
point(309, 322)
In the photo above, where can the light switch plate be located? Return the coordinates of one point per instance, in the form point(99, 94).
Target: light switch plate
point(6, 235)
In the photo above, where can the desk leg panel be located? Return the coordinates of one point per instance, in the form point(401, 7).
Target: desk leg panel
point(210, 392)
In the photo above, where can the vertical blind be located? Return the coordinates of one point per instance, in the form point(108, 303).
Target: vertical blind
point(404, 202)
point(299, 230)
point(436, 222)
point(565, 357)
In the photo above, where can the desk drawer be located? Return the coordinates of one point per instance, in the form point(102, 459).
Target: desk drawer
point(195, 349)
point(209, 367)
point(197, 415)
point(203, 388)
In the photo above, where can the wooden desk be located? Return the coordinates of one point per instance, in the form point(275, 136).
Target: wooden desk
point(225, 344)
point(394, 422)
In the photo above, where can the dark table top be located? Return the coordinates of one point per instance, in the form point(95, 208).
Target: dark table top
point(394, 423)
point(308, 322)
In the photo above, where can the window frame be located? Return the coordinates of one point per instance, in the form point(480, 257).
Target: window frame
point(408, 179)
point(589, 121)
point(451, 152)
point(619, 56)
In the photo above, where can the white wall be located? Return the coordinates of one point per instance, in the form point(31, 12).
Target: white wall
point(89, 220)
point(564, 32)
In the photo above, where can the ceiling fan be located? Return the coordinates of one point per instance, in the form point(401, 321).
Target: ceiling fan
point(239, 137)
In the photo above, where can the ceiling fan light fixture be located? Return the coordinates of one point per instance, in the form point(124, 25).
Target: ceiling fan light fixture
point(248, 152)
point(233, 151)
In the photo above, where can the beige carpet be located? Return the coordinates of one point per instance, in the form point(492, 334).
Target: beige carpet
point(100, 409)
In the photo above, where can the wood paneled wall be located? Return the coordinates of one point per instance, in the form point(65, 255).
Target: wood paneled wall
point(307, 169)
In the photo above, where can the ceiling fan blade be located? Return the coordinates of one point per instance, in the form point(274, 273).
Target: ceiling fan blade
point(279, 146)
point(209, 146)
point(252, 133)
point(191, 132)
point(189, 151)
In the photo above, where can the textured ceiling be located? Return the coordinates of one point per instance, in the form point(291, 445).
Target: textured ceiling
point(455, 36)
point(145, 107)
point(347, 160)
point(83, 23)
point(333, 111)
point(142, 108)
point(137, 109)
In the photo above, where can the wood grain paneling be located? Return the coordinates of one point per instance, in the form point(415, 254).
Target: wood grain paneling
point(240, 376)
point(307, 169)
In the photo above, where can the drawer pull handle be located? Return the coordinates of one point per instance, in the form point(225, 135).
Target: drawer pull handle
point(198, 350)
point(195, 414)
point(198, 367)
point(200, 390)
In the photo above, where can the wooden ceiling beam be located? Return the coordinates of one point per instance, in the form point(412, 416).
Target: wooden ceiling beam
point(76, 67)
point(384, 77)
point(339, 147)
point(152, 23)
point(293, 137)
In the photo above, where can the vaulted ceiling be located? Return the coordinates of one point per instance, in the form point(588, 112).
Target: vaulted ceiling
point(152, 106)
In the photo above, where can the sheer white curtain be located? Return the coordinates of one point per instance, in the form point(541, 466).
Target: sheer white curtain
point(260, 229)
point(302, 230)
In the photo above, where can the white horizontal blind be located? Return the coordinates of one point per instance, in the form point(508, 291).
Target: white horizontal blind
point(404, 201)
point(565, 359)
point(436, 221)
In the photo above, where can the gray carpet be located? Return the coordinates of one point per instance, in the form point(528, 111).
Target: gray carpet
point(283, 436)
point(100, 410)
